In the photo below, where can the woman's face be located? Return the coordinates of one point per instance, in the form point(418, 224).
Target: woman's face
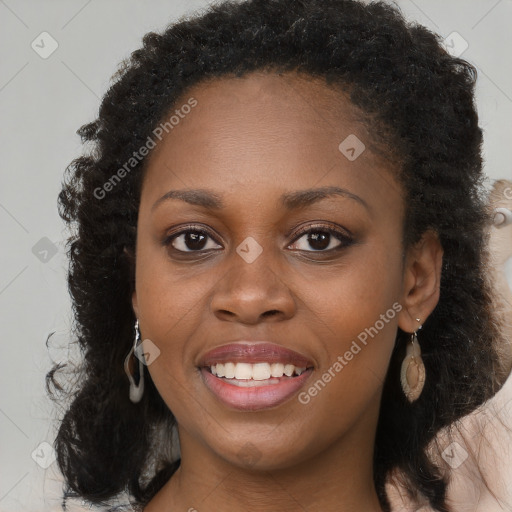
point(261, 162)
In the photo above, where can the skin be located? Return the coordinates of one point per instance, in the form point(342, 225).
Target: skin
point(250, 140)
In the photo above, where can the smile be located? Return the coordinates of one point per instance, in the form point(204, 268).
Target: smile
point(253, 377)
point(251, 394)
point(254, 372)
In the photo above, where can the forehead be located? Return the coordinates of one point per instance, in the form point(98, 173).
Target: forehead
point(264, 130)
point(299, 90)
point(273, 101)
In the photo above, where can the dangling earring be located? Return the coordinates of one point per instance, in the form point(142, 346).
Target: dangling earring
point(412, 375)
point(136, 390)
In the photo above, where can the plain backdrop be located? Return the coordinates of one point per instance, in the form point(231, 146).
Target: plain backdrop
point(43, 101)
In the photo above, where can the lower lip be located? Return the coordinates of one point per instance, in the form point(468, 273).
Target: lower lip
point(257, 397)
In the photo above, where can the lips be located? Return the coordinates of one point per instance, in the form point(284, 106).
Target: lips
point(254, 352)
point(226, 372)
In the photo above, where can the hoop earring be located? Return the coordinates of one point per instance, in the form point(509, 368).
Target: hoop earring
point(412, 374)
point(136, 390)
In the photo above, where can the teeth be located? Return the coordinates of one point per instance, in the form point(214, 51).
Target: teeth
point(229, 370)
point(257, 371)
point(243, 371)
point(288, 369)
point(277, 369)
point(260, 371)
point(249, 383)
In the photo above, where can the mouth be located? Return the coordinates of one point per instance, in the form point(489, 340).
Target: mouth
point(252, 376)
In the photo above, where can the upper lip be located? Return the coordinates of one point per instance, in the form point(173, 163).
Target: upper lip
point(254, 352)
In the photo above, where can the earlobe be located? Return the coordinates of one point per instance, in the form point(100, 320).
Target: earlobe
point(422, 281)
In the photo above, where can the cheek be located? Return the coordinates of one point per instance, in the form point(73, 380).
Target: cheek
point(352, 297)
point(171, 304)
point(355, 314)
point(168, 296)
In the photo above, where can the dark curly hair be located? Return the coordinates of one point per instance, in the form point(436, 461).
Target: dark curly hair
point(402, 82)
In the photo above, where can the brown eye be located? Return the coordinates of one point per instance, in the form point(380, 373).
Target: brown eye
point(191, 240)
point(321, 239)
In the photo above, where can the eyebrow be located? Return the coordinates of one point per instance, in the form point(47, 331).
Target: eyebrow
point(290, 200)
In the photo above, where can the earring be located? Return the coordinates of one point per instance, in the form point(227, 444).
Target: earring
point(136, 390)
point(412, 374)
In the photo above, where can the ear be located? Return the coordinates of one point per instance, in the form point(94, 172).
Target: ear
point(421, 281)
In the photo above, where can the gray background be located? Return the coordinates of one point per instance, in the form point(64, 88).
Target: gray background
point(42, 104)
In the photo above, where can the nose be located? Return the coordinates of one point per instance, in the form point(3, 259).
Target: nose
point(250, 293)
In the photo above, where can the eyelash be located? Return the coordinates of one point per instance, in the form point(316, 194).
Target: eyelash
point(344, 239)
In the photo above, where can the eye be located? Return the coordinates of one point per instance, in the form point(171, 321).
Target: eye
point(192, 239)
point(315, 239)
point(321, 239)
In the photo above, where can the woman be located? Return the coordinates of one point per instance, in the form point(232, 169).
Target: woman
point(279, 256)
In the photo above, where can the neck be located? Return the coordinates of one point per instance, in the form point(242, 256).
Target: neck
point(338, 478)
